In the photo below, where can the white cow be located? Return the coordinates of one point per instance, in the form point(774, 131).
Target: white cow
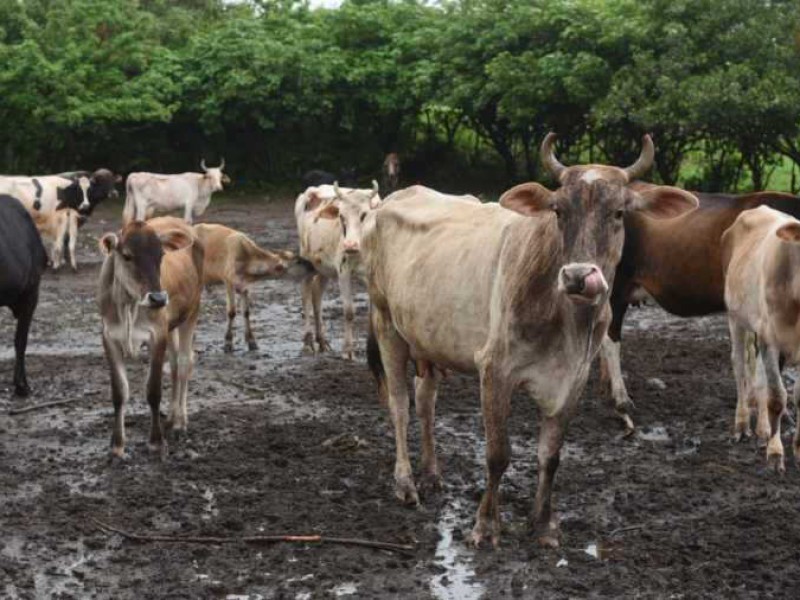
point(761, 262)
point(329, 222)
point(148, 192)
point(45, 193)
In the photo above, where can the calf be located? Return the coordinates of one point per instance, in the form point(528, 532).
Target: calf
point(234, 259)
point(60, 228)
point(761, 264)
point(191, 192)
point(391, 172)
point(686, 283)
point(149, 292)
point(22, 261)
point(329, 222)
point(517, 292)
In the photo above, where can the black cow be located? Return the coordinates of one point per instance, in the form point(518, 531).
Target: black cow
point(101, 186)
point(22, 261)
point(317, 177)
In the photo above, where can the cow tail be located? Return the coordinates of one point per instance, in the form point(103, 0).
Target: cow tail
point(129, 211)
point(375, 363)
point(199, 256)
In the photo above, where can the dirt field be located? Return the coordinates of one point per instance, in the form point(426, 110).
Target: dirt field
point(280, 443)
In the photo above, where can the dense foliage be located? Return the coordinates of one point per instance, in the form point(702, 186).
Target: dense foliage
point(464, 90)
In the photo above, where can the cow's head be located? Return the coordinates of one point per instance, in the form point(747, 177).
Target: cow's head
point(102, 185)
point(75, 195)
point(589, 209)
point(214, 175)
point(350, 207)
point(137, 253)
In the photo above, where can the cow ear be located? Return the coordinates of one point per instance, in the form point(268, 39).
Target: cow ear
point(790, 232)
point(375, 202)
point(117, 178)
point(313, 200)
point(175, 239)
point(108, 243)
point(664, 201)
point(329, 212)
point(527, 199)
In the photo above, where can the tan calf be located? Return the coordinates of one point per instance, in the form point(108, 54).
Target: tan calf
point(761, 262)
point(233, 259)
point(149, 293)
point(56, 227)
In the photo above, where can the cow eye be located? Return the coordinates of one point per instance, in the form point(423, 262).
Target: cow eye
point(618, 214)
point(363, 216)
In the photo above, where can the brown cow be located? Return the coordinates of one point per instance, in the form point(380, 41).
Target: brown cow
point(234, 259)
point(391, 172)
point(677, 262)
point(761, 263)
point(517, 292)
point(149, 292)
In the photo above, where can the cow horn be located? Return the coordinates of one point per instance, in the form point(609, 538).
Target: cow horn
point(203, 165)
point(645, 160)
point(549, 159)
point(222, 164)
point(375, 188)
point(336, 190)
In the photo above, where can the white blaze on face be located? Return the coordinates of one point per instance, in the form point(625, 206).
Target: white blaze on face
point(83, 184)
point(591, 175)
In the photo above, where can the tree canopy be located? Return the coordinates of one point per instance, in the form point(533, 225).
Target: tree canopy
point(463, 89)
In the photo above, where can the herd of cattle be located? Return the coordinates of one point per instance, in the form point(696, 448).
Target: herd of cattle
point(525, 292)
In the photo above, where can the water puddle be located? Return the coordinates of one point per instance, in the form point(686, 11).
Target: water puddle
point(458, 580)
point(656, 433)
point(210, 509)
point(348, 588)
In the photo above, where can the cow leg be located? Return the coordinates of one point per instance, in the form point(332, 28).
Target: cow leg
point(611, 369)
point(346, 291)
point(425, 402)
point(317, 289)
point(72, 244)
point(57, 251)
point(248, 328)
point(187, 213)
point(308, 310)
point(119, 395)
point(230, 307)
point(551, 438)
point(394, 355)
point(158, 350)
point(776, 405)
point(185, 365)
point(24, 315)
point(175, 391)
point(796, 399)
point(744, 369)
point(495, 406)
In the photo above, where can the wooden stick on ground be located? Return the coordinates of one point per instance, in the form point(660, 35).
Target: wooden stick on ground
point(255, 539)
point(243, 386)
point(43, 405)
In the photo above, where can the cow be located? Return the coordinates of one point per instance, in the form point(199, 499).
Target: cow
point(316, 177)
point(516, 291)
point(148, 192)
point(686, 283)
point(149, 292)
point(391, 172)
point(427, 194)
point(60, 228)
point(47, 193)
point(23, 259)
point(102, 186)
point(329, 220)
point(761, 266)
point(234, 259)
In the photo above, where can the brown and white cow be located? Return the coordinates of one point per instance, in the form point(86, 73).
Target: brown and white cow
point(234, 259)
point(688, 282)
point(149, 293)
point(191, 192)
point(329, 221)
point(58, 227)
point(761, 263)
point(516, 291)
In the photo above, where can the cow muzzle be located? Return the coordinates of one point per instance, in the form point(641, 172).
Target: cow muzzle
point(351, 247)
point(155, 299)
point(583, 283)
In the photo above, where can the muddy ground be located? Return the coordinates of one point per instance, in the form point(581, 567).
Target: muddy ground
point(280, 443)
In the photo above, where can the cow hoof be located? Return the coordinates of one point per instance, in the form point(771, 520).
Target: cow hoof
point(158, 450)
point(776, 463)
point(347, 355)
point(228, 348)
point(252, 346)
point(324, 346)
point(308, 350)
point(484, 535)
point(117, 455)
point(23, 391)
point(430, 483)
point(406, 491)
point(548, 536)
